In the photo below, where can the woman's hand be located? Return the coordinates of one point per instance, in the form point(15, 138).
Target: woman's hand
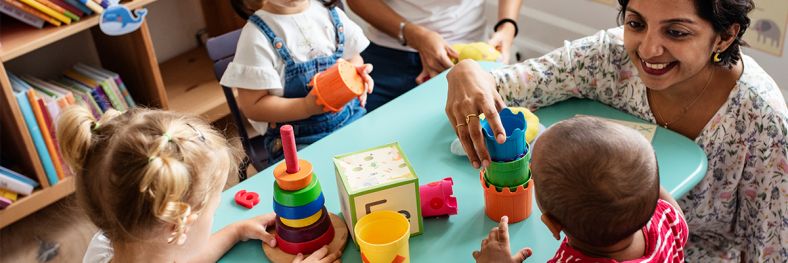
point(495, 248)
point(502, 41)
point(369, 84)
point(434, 51)
point(472, 91)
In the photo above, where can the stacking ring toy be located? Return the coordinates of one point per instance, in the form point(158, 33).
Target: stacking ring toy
point(305, 247)
point(299, 212)
point(293, 181)
point(300, 197)
point(296, 223)
point(304, 234)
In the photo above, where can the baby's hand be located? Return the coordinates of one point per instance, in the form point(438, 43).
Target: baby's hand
point(369, 84)
point(319, 256)
point(254, 228)
point(495, 248)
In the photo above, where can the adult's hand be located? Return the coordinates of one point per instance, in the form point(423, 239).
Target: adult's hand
point(472, 91)
point(434, 51)
point(502, 41)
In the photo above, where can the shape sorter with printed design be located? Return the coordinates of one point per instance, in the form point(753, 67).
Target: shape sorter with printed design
point(380, 178)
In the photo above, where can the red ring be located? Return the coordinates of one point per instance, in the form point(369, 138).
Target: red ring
point(305, 247)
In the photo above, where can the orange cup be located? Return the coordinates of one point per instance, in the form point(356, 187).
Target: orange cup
point(515, 204)
point(337, 86)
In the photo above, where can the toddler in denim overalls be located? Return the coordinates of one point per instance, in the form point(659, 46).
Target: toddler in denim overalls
point(263, 54)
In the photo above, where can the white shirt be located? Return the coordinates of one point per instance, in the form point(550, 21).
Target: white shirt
point(257, 65)
point(99, 250)
point(457, 21)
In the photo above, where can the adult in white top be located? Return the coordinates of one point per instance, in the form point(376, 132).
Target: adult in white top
point(411, 38)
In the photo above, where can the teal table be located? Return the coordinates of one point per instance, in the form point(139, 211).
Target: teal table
point(417, 121)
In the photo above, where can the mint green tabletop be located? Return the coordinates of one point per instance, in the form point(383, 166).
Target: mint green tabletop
point(417, 121)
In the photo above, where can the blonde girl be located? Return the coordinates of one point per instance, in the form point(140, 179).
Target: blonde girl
point(151, 181)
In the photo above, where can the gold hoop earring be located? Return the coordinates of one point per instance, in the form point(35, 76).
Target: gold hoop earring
point(717, 58)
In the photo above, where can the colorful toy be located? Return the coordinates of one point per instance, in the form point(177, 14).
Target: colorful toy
point(437, 198)
point(302, 223)
point(337, 86)
point(507, 180)
point(383, 236)
point(478, 51)
point(379, 178)
point(117, 19)
point(247, 199)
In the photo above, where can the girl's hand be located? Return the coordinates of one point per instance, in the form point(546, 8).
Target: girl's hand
point(319, 256)
point(254, 228)
point(369, 84)
point(434, 51)
point(502, 41)
point(472, 91)
point(495, 248)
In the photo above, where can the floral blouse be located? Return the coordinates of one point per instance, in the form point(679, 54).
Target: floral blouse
point(741, 205)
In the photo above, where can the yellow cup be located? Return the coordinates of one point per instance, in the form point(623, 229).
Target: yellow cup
point(383, 237)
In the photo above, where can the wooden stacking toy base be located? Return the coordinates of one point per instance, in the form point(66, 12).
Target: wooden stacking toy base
point(276, 255)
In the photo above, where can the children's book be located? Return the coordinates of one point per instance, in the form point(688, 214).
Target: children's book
point(107, 85)
point(20, 93)
point(91, 84)
point(42, 124)
point(59, 9)
point(16, 186)
point(76, 11)
point(84, 93)
point(7, 194)
point(49, 11)
point(33, 11)
point(118, 82)
point(21, 15)
point(79, 5)
point(18, 177)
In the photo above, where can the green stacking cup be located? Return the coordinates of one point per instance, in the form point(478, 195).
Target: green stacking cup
point(507, 174)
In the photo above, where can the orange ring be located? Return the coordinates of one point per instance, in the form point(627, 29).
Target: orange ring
point(516, 204)
point(296, 181)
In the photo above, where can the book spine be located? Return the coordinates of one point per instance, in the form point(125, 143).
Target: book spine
point(21, 15)
point(9, 195)
point(33, 11)
point(18, 176)
point(38, 139)
point(49, 11)
point(59, 9)
point(7, 182)
point(85, 10)
point(31, 95)
point(68, 7)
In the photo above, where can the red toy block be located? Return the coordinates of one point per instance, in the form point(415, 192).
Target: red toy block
point(247, 199)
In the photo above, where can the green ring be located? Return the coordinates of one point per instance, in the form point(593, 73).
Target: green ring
point(511, 188)
point(298, 198)
point(512, 173)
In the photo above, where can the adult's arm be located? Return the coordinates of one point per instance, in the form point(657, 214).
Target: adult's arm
point(503, 38)
point(434, 51)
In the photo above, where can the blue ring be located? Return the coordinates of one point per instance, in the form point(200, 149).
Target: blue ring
point(300, 212)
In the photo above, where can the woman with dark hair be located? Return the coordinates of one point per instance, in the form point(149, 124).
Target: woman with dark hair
point(676, 63)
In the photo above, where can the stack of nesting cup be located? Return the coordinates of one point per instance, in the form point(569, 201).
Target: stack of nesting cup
point(507, 180)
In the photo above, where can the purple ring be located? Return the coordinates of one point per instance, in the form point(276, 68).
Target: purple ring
point(304, 234)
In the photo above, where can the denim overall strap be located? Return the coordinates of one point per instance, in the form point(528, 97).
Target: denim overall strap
point(276, 42)
point(339, 29)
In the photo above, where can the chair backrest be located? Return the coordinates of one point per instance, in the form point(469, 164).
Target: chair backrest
point(221, 50)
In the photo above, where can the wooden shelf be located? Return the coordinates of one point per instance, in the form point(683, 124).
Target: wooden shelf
point(36, 201)
point(192, 86)
point(19, 39)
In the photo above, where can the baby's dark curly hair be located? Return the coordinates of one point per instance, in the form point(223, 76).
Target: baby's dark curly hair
point(721, 14)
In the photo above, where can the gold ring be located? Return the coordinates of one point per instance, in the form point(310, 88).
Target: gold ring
point(469, 116)
point(458, 125)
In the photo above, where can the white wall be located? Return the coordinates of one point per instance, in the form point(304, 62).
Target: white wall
point(546, 24)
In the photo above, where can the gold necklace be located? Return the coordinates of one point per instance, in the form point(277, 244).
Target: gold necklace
point(687, 107)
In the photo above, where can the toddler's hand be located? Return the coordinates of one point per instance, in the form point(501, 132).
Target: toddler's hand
point(319, 256)
point(495, 248)
point(254, 228)
point(369, 84)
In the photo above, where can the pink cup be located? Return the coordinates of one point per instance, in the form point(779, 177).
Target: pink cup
point(437, 198)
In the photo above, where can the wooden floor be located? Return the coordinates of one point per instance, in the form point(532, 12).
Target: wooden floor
point(61, 232)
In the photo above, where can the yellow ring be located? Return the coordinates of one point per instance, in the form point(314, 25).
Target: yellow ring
point(304, 222)
point(468, 117)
